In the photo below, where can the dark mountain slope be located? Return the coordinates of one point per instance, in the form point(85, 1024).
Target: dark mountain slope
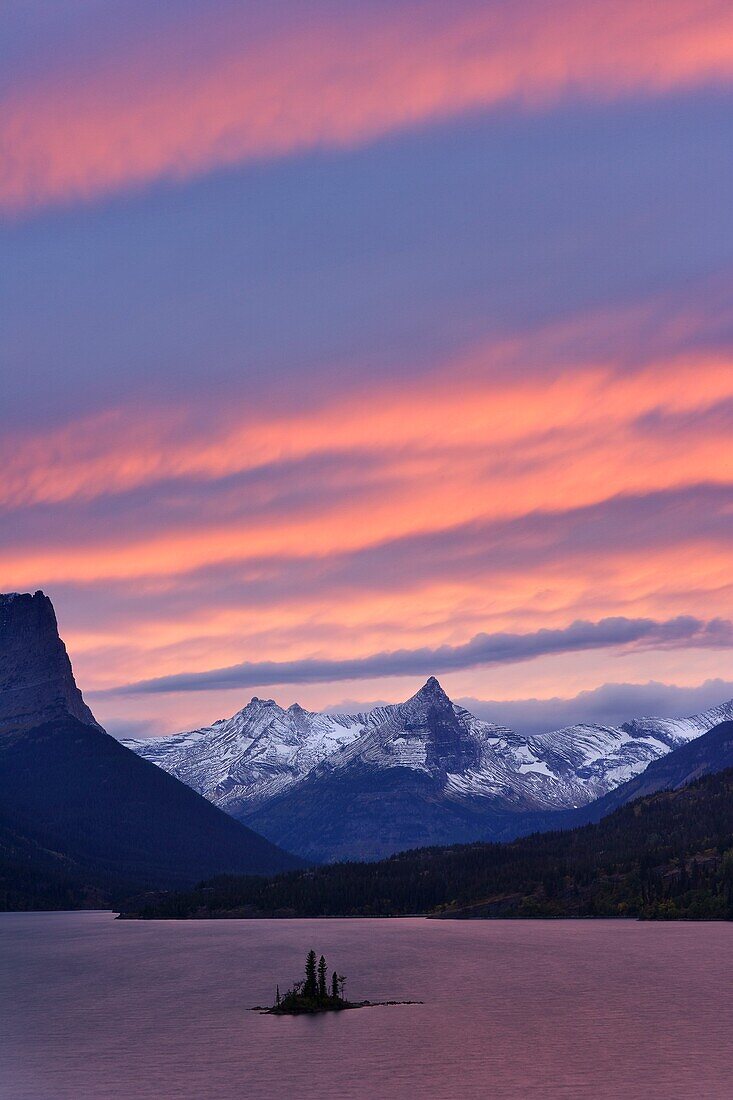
point(116, 816)
point(669, 855)
point(35, 876)
point(334, 815)
point(81, 814)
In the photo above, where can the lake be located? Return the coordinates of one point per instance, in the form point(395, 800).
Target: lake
point(95, 1009)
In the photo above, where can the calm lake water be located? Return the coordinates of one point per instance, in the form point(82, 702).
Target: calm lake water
point(95, 1009)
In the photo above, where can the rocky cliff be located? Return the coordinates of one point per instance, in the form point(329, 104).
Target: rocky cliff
point(36, 679)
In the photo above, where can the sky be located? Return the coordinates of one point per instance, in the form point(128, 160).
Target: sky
point(348, 343)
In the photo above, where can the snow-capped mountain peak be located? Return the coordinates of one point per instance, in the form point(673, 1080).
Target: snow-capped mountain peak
point(253, 755)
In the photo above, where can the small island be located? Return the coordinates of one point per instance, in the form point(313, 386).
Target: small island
point(317, 994)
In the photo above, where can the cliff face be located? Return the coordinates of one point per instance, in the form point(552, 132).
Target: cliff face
point(83, 818)
point(36, 680)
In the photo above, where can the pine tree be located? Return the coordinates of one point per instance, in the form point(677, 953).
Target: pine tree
point(335, 985)
point(310, 989)
point(277, 995)
point(322, 987)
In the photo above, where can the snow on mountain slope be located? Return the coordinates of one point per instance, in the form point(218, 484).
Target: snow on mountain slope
point(603, 757)
point(263, 751)
point(249, 758)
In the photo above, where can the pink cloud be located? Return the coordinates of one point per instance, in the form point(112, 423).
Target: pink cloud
point(149, 112)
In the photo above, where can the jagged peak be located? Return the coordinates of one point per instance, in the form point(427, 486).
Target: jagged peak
point(431, 690)
point(255, 706)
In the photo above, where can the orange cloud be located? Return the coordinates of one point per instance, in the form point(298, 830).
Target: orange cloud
point(494, 443)
point(462, 449)
point(514, 398)
point(141, 114)
point(431, 613)
point(658, 581)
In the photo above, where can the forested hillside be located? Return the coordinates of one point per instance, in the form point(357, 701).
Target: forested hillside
point(669, 856)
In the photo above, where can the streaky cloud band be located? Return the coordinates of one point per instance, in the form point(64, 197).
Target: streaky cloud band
point(121, 120)
point(482, 649)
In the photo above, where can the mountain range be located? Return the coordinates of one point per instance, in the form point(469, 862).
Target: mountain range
point(667, 854)
point(83, 819)
point(422, 772)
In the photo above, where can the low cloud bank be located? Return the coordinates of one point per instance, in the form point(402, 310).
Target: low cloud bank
point(482, 650)
point(607, 705)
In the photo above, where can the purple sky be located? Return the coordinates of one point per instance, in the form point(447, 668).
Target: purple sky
point(347, 343)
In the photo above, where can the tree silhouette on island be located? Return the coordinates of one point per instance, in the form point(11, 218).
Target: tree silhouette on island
point(316, 994)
